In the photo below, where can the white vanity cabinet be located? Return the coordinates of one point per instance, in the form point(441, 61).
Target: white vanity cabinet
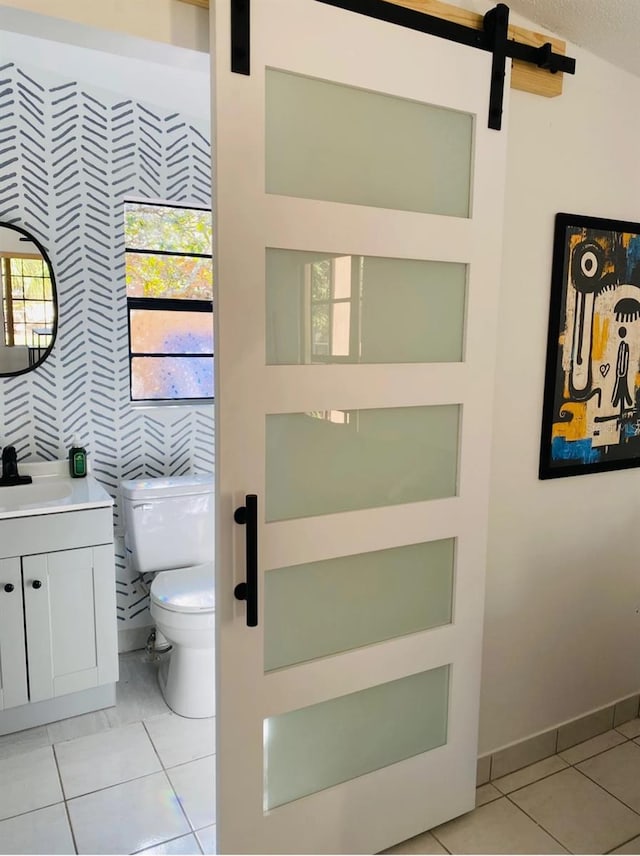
point(58, 626)
point(13, 667)
point(70, 620)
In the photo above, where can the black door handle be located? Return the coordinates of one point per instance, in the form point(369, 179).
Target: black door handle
point(9, 588)
point(247, 515)
point(36, 584)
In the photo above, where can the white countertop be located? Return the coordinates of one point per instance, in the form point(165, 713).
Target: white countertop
point(51, 492)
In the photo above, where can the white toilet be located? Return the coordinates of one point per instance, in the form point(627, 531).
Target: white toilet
point(169, 530)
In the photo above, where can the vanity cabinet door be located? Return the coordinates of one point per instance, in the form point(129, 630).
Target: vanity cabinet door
point(13, 669)
point(70, 618)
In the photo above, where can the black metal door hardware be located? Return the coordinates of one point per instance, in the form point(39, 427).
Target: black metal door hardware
point(496, 26)
point(493, 38)
point(9, 588)
point(240, 36)
point(247, 515)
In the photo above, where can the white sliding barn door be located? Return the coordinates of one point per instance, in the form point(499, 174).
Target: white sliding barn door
point(359, 218)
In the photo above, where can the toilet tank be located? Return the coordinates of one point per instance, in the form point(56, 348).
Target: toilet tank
point(169, 522)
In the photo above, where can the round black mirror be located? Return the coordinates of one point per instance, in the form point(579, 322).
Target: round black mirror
point(28, 302)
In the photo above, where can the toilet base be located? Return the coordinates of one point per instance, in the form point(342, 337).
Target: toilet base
point(187, 681)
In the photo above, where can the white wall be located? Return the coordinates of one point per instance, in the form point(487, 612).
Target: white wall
point(562, 625)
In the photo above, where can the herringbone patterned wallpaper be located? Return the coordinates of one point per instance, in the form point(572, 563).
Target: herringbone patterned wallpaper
point(67, 163)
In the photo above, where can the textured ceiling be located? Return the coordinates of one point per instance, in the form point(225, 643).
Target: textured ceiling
point(609, 29)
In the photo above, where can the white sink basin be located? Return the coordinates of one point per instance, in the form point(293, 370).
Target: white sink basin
point(39, 492)
point(51, 491)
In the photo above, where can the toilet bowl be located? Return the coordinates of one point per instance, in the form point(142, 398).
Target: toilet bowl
point(169, 532)
point(182, 607)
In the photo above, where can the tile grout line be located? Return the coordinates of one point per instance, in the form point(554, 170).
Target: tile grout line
point(107, 788)
point(612, 727)
point(618, 846)
point(140, 713)
point(594, 782)
point(30, 811)
point(64, 798)
point(570, 766)
point(126, 782)
point(534, 782)
point(200, 847)
point(167, 841)
point(599, 752)
point(71, 829)
point(537, 823)
point(178, 800)
point(568, 763)
point(440, 842)
point(597, 784)
point(164, 770)
point(150, 738)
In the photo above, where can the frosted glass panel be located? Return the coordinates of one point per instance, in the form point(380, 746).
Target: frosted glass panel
point(316, 747)
point(342, 144)
point(322, 608)
point(328, 461)
point(324, 308)
point(166, 378)
point(170, 332)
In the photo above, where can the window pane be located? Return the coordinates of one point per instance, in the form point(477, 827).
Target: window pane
point(157, 227)
point(157, 332)
point(342, 144)
point(383, 310)
point(323, 608)
point(181, 277)
point(320, 279)
point(33, 267)
point(33, 288)
point(329, 461)
point(320, 329)
point(155, 378)
point(17, 283)
point(315, 747)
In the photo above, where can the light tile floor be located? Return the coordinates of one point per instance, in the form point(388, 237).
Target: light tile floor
point(134, 778)
point(584, 800)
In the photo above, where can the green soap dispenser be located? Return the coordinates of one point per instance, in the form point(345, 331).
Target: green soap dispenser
point(77, 460)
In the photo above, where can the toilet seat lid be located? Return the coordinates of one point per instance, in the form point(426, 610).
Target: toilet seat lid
point(185, 589)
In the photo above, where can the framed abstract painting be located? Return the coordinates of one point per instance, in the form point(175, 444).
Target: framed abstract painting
point(591, 412)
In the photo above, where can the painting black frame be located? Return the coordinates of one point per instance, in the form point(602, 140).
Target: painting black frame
point(615, 458)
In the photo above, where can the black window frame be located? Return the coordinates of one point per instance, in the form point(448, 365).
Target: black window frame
point(170, 304)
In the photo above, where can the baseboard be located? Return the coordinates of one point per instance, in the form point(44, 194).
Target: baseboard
point(133, 639)
point(540, 746)
point(33, 714)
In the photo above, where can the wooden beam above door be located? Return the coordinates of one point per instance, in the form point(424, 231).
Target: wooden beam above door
point(524, 76)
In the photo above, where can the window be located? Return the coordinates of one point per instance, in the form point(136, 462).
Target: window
point(333, 287)
point(169, 283)
point(27, 301)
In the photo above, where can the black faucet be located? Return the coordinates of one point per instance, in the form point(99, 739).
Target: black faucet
point(10, 468)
